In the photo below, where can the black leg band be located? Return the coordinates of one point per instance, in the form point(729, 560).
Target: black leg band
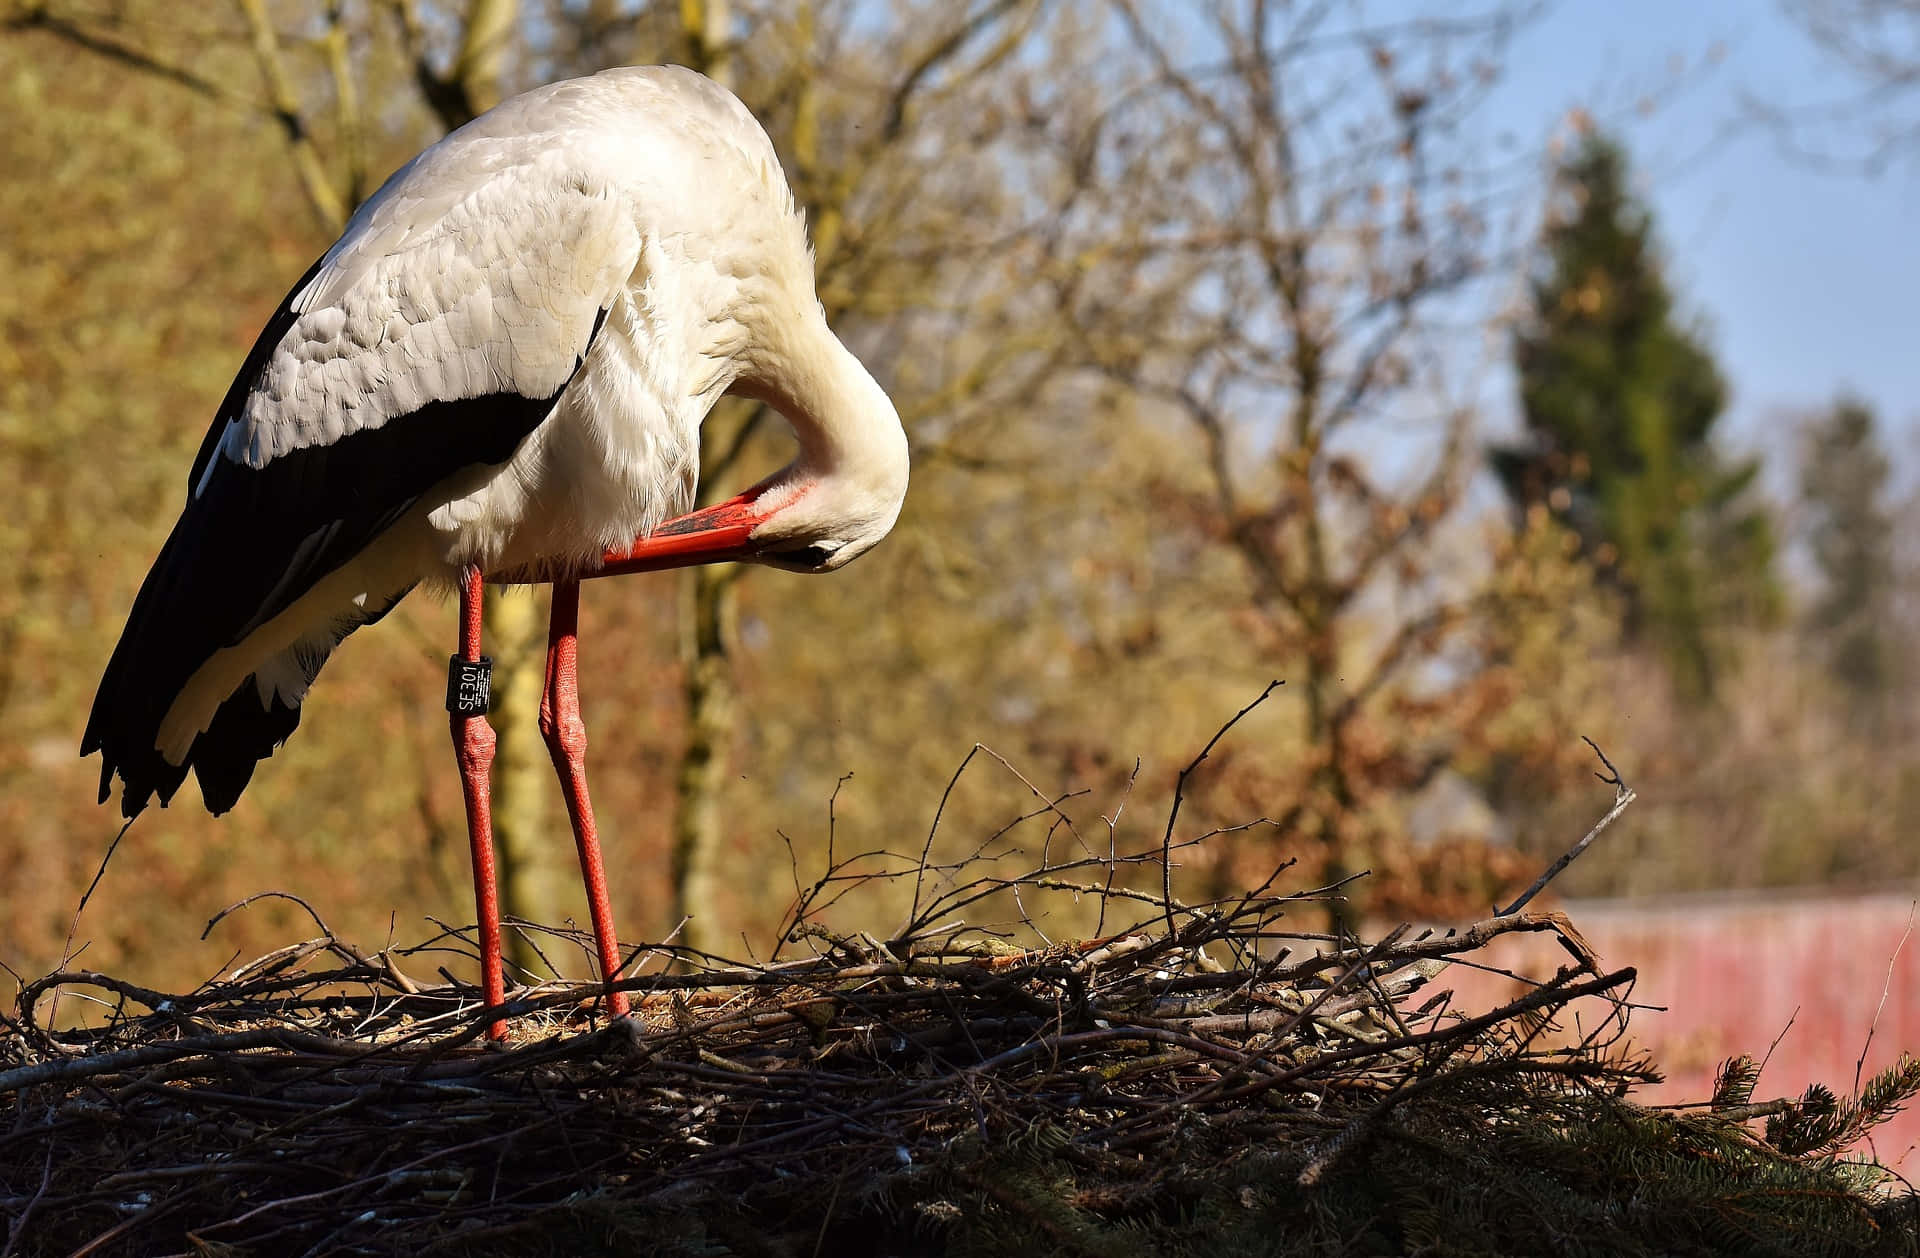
point(469, 686)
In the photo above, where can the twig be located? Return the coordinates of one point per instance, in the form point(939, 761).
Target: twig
point(20, 1221)
point(1113, 843)
point(73, 927)
point(257, 896)
point(1885, 988)
point(174, 1050)
point(940, 810)
point(1179, 797)
point(1761, 1068)
point(1622, 796)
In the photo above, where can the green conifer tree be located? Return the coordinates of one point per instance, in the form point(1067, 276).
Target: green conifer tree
point(1843, 482)
point(1619, 400)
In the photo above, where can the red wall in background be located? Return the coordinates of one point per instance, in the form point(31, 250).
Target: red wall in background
point(1732, 971)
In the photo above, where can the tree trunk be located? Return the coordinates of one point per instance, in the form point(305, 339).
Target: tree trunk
point(706, 629)
point(707, 615)
point(704, 24)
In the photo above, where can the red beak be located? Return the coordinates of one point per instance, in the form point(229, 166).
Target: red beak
point(713, 534)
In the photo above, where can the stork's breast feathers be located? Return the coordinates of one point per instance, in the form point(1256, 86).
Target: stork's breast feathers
point(499, 294)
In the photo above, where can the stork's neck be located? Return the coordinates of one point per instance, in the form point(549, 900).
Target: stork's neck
point(853, 453)
point(827, 507)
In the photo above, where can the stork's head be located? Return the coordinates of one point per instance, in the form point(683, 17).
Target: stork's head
point(829, 506)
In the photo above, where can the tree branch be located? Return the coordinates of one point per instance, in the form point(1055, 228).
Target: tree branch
point(285, 107)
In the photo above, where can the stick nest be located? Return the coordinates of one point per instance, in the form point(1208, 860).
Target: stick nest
point(1200, 1081)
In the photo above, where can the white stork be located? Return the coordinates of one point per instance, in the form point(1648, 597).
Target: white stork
point(498, 372)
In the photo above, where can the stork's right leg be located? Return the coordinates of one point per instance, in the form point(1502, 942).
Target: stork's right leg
point(468, 690)
point(566, 735)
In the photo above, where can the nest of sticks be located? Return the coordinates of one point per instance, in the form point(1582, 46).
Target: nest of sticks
point(1205, 1079)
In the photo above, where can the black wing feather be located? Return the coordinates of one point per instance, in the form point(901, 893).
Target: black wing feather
point(250, 371)
point(251, 545)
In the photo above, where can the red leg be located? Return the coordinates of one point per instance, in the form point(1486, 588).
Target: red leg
point(473, 742)
point(566, 736)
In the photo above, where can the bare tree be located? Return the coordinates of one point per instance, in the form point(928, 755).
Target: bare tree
point(1314, 229)
point(1876, 43)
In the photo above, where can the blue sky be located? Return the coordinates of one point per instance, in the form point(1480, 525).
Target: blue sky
point(1807, 281)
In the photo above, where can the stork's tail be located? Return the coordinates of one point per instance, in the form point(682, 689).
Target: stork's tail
point(245, 729)
point(125, 729)
point(163, 646)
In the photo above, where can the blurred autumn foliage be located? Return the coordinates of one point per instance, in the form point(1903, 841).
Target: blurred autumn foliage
point(1192, 314)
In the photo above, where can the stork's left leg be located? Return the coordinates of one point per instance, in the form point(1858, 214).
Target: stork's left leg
point(473, 742)
point(566, 736)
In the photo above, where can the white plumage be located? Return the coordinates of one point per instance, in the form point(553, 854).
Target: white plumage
point(502, 363)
